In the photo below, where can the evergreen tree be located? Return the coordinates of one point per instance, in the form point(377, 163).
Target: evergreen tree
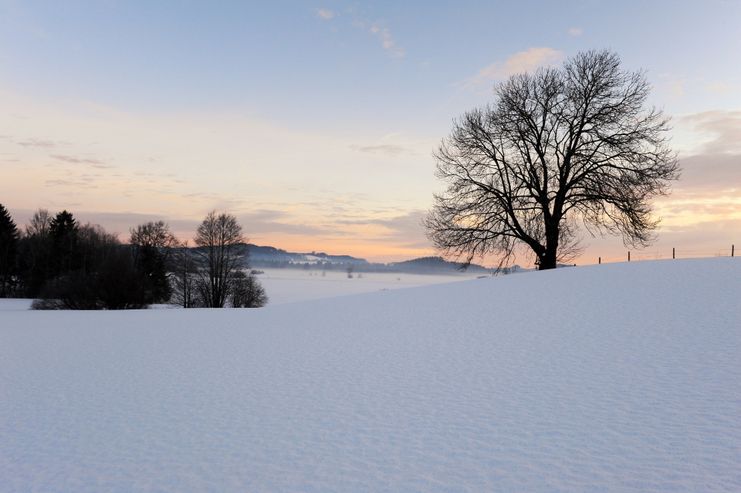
point(8, 250)
point(63, 230)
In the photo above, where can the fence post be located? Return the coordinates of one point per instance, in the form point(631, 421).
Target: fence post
point(674, 254)
point(628, 255)
point(599, 260)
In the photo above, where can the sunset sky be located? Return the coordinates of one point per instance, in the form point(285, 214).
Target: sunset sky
point(314, 123)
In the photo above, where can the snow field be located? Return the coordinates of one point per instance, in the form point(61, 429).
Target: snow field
point(621, 377)
point(292, 285)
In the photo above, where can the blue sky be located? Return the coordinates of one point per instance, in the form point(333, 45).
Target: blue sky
point(282, 60)
point(352, 97)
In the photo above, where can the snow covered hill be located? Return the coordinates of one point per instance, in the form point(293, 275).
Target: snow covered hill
point(623, 377)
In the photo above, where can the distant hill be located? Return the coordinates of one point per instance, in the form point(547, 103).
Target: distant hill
point(267, 256)
point(258, 256)
point(436, 264)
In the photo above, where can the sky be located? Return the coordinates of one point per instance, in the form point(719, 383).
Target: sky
point(315, 122)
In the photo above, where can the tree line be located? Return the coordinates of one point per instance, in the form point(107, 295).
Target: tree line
point(62, 264)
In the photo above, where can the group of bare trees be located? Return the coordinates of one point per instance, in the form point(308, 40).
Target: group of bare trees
point(560, 150)
point(64, 265)
point(215, 273)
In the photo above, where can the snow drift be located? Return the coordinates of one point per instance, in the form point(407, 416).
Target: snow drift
point(619, 377)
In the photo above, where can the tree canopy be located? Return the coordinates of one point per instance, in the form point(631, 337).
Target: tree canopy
point(558, 149)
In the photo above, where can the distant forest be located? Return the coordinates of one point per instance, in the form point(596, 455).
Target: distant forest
point(65, 265)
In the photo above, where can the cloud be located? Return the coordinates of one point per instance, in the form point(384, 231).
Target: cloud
point(394, 145)
point(684, 209)
point(325, 14)
point(95, 163)
point(60, 182)
point(702, 215)
point(376, 29)
point(723, 127)
point(523, 61)
point(274, 221)
point(387, 40)
point(122, 222)
point(575, 31)
point(387, 149)
point(709, 189)
point(37, 143)
point(710, 172)
point(405, 230)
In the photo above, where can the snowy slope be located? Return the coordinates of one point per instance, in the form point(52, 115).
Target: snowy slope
point(623, 377)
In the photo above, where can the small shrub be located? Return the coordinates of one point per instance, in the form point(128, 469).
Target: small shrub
point(247, 291)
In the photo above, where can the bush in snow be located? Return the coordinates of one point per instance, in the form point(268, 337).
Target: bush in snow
point(247, 291)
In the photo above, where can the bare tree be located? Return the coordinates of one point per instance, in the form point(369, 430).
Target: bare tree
point(36, 254)
point(39, 224)
point(152, 245)
point(218, 238)
point(154, 234)
point(558, 148)
point(184, 278)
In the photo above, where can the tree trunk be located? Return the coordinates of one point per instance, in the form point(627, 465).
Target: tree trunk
point(548, 259)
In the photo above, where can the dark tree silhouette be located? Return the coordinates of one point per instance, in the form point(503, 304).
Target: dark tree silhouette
point(40, 223)
point(218, 239)
point(247, 291)
point(63, 232)
point(106, 277)
point(8, 251)
point(152, 244)
point(35, 254)
point(558, 148)
point(184, 277)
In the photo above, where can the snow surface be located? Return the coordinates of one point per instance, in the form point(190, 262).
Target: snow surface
point(15, 304)
point(621, 377)
point(292, 285)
